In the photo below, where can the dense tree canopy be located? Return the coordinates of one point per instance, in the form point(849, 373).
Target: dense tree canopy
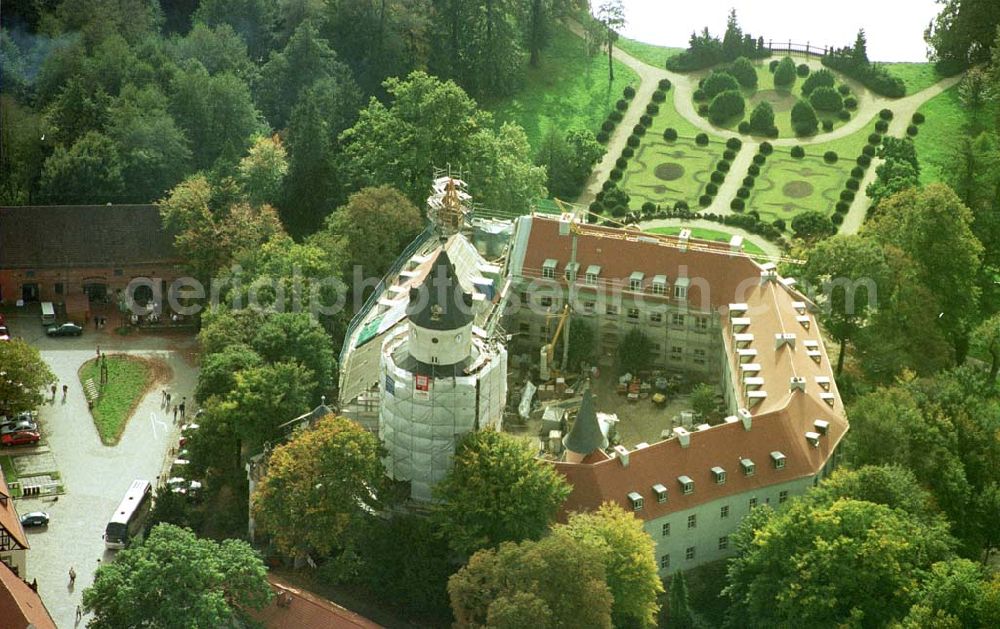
point(25, 377)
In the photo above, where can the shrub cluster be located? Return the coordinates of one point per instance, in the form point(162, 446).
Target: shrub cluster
point(798, 152)
point(802, 70)
point(718, 82)
point(664, 84)
point(659, 96)
point(784, 73)
point(804, 120)
point(701, 139)
point(850, 103)
point(820, 78)
point(912, 130)
point(725, 106)
point(885, 114)
point(670, 134)
point(873, 76)
point(705, 51)
point(825, 98)
point(918, 118)
point(742, 69)
point(830, 157)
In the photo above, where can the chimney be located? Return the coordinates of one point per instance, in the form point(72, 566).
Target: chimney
point(745, 417)
point(822, 426)
point(565, 219)
point(798, 383)
point(736, 244)
point(683, 238)
point(683, 436)
point(622, 453)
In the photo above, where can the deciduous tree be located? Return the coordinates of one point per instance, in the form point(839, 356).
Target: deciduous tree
point(90, 172)
point(319, 487)
point(611, 15)
point(262, 172)
point(24, 376)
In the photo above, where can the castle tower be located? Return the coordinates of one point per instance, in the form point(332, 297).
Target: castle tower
point(440, 318)
point(586, 435)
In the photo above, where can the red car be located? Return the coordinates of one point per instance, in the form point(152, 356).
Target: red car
point(4, 333)
point(24, 437)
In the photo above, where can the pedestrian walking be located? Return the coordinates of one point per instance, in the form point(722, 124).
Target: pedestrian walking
point(79, 613)
point(53, 393)
point(65, 391)
point(98, 351)
point(175, 413)
point(168, 399)
point(183, 403)
point(72, 575)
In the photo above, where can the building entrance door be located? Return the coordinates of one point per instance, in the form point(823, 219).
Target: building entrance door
point(29, 292)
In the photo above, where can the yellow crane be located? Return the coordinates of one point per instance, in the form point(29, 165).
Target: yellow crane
point(548, 352)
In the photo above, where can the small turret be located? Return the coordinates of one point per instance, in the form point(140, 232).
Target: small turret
point(586, 435)
point(441, 316)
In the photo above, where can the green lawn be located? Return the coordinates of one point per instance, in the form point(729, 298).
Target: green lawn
point(944, 124)
point(128, 380)
point(917, 76)
point(651, 54)
point(709, 234)
point(568, 90)
point(9, 473)
point(666, 172)
point(787, 187)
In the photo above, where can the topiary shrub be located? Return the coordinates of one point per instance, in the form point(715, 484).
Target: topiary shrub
point(648, 207)
point(652, 109)
point(798, 152)
point(718, 82)
point(726, 106)
point(743, 193)
point(827, 125)
point(804, 119)
point(881, 126)
point(628, 152)
point(607, 185)
point(837, 219)
point(700, 95)
point(705, 200)
point(912, 130)
point(749, 181)
point(842, 207)
point(843, 114)
point(729, 155)
point(802, 70)
point(629, 92)
point(784, 73)
point(659, 96)
point(819, 78)
point(765, 148)
point(701, 139)
point(670, 134)
point(596, 207)
point(858, 172)
point(853, 184)
point(664, 84)
point(868, 150)
point(615, 116)
point(779, 224)
point(773, 65)
point(830, 157)
point(703, 110)
point(743, 127)
point(772, 132)
point(864, 161)
point(825, 98)
point(754, 169)
point(737, 205)
point(602, 136)
point(762, 118)
point(711, 188)
point(874, 139)
point(722, 166)
point(718, 177)
point(847, 195)
point(759, 159)
point(850, 103)
point(608, 126)
point(885, 114)
point(844, 89)
point(918, 118)
point(681, 206)
point(734, 144)
point(633, 141)
point(645, 121)
point(615, 174)
point(622, 163)
point(621, 105)
point(742, 69)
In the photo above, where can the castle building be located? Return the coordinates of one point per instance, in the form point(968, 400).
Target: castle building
point(709, 310)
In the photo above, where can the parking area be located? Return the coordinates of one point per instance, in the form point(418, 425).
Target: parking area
point(94, 476)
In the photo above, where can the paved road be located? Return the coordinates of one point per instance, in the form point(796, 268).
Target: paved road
point(95, 476)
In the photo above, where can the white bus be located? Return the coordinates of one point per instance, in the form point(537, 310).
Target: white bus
point(129, 518)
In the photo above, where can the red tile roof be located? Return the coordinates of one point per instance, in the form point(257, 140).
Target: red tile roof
point(305, 610)
point(20, 606)
point(9, 519)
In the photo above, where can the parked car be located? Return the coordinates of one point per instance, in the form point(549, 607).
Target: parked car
point(35, 518)
point(17, 425)
point(4, 333)
point(66, 329)
point(22, 438)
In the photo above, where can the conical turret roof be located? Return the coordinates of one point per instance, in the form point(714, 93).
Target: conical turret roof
point(439, 303)
point(586, 435)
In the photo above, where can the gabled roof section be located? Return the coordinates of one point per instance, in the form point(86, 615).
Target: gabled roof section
point(440, 303)
point(21, 606)
point(9, 520)
point(66, 236)
point(586, 435)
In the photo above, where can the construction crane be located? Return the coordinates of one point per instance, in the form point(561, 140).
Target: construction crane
point(546, 372)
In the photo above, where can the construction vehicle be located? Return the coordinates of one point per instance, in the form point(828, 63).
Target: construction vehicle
point(546, 370)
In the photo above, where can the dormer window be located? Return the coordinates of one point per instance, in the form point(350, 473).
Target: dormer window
point(681, 288)
point(660, 285)
point(719, 475)
point(592, 272)
point(660, 492)
point(748, 467)
point(635, 281)
point(635, 500)
point(571, 270)
point(549, 269)
point(687, 485)
point(778, 460)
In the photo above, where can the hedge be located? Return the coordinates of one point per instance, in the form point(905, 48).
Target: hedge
point(633, 141)
point(705, 200)
point(659, 96)
point(718, 177)
point(737, 205)
point(729, 155)
point(874, 77)
point(830, 157)
point(670, 134)
point(701, 139)
point(743, 193)
point(852, 184)
point(754, 169)
point(798, 152)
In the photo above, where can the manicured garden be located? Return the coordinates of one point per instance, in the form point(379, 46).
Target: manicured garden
point(788, 186)
point(664, 173)
point(129, 378)
point(568, 90)
point(714, 235)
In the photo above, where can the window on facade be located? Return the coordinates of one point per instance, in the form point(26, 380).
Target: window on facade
point(782, 496)
point(633, 313)
point(591, 279)
point(635, 285)
point(656, 317)
point(666, 529)
point(692, 521)
point(524, 297)
point(778, 459)
point(699, 356)
point(724, 511)
point(701, 323)
point(689, 553)
point(753, 503)
point(677, 319)
point(687, 485)
point(545, 302)
point(548, 273)
point(635, 499)
point(676, 353)
point(719, 475)
point(659, 288)
point(588, 307)
point(611, 309)
point(748, 467)
point(664, 561)
point(680, 292)
point(724, 542)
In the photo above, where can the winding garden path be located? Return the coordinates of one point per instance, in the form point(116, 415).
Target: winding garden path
point(683, 87)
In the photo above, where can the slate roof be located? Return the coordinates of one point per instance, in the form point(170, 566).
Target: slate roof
point(440, 303)
point(586, 435)
point(21, 606)
point(65, 236)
